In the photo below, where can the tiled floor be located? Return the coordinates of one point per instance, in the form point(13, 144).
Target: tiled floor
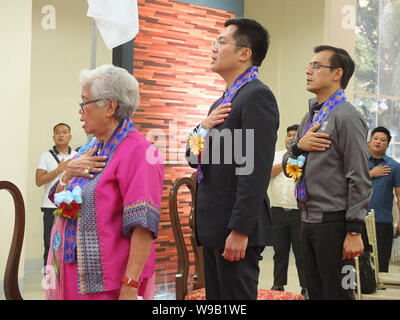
point(34, 291)
point(267, 270)
point(33, 286)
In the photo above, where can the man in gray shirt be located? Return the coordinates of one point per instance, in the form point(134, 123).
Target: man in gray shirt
point(334, 188)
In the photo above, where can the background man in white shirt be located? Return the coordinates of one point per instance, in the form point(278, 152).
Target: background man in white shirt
point(286, 220)
point(50, 167)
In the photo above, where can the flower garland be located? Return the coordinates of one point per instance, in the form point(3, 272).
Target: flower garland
point(196, 142)
point(68, 203)
point(294, 168)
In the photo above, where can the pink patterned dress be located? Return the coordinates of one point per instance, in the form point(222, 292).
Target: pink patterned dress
point(88, 258)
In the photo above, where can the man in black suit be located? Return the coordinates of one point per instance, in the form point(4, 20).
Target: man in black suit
point(232, 216)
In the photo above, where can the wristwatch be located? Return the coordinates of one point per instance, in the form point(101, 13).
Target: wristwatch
point(296, 148)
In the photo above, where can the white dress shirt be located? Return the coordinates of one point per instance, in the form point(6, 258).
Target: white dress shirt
point(49, 164)
point(281, 188)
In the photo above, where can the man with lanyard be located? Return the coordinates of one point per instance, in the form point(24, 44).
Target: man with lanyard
point(385, 175)
point(286, 220)
point(51, 164)
point(328, 158)
point(232, 217)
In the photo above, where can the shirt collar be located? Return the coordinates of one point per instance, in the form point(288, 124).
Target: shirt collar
point(318, 106)
point(314, 106)
point(384, 158)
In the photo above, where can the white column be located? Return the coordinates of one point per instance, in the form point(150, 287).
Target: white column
point(340, 22)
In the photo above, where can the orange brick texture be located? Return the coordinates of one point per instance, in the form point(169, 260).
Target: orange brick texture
point(172, 57)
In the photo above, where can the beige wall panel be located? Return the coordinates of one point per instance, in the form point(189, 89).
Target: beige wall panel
point(15, 59)
point(296, 28)
point(340, 21)
point(57, 57)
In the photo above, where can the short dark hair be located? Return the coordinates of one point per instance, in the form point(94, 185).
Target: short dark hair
point(384, 130)
point(61, 124)
point(253, 35)
point(340, 59)
point(293, 127)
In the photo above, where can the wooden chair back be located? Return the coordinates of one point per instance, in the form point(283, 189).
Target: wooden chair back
point(183, 269)
point(11, 289)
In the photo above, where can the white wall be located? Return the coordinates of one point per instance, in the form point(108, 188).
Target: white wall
point(340, 20)
point(15, 66)
point(296, 27)
point(57, 57)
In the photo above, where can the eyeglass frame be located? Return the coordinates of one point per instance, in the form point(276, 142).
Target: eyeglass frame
point(218, 41)
point(82, 104)
point(315, 66)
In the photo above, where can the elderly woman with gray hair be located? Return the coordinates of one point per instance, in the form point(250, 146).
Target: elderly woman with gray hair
point(108, 199)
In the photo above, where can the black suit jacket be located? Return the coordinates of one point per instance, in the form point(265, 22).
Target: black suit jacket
point(227, 199)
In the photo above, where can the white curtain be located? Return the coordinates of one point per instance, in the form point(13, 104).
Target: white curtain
point(117, 20)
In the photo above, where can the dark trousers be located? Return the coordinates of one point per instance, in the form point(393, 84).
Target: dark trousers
point(286, 233)
point(384, 242)
point(48, 219)
point(227, 280)
point(322, 247)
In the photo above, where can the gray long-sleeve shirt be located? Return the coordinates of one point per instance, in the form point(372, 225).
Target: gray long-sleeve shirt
point(337, 179)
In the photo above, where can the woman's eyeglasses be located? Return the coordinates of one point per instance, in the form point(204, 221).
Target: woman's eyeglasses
point(82, 104)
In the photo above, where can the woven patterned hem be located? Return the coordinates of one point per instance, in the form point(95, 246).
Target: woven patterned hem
point(140, 214)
